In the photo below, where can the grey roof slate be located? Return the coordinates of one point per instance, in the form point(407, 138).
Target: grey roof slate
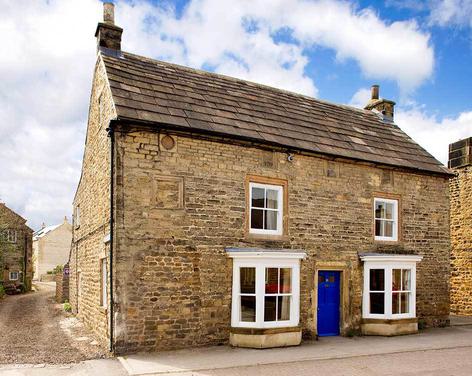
point(167, 94)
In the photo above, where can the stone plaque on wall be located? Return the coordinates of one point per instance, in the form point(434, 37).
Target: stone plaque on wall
point(168, 192)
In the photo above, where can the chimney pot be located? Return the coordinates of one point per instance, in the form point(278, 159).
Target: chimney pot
point(375, 92)
point(109, 13)
point(384, 106)
point(108, 34)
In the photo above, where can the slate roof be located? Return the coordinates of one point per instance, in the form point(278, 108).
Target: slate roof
point(167, 94)
point(41, 232)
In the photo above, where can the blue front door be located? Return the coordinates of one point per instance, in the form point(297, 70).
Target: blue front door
point(328, 303)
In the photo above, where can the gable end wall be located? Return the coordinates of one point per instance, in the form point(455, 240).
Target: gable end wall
point(93, 196)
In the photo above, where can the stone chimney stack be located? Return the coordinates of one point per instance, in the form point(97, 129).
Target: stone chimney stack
point(108, 34)
point(384, 106)
point(460, 153)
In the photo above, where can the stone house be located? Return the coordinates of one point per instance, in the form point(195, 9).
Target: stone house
point(460, 161)
point(212, 210)
point(15, 250)
point(51, 247)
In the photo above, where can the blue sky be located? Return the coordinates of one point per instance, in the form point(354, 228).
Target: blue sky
point(419, 52)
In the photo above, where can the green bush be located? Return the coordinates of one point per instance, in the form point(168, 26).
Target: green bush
point(58, 269)
point(67, 307)
point(2, 291)
point(49, 272)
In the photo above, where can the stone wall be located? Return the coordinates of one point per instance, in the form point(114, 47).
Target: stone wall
point(62, 285)
point(177, 209)
point(461, 241)
point(17, 256)
point(93, 195)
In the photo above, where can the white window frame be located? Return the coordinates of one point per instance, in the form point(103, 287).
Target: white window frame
point(279, 210)
point(260, 260)
point(394, 236)
point(14, 279)
point(388, 263)
point(103, 282)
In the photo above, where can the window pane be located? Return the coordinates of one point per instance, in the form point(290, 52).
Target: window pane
point(396, 279)
point(271, 281)
point(271, 201)
point(388, 211)
point(270, 220)
point(388, 228)
point(405, 302)
point(396, 303)
point(379, 210)
point(248, 308)
point(257, 219)
point(377, 303)
point(285, 280)
point(378, 228)
point(406, 280)
point(248, 280)
point(283, 308)
point(258, 197)
point(270, 308)
point(377, 280)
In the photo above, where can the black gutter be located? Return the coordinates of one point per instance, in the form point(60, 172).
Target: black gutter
point(111, 134)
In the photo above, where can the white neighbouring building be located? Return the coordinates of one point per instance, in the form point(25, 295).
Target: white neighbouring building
point(51, 247)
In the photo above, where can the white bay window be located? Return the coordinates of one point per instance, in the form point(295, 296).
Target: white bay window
point(266, 288)
point(389, 286)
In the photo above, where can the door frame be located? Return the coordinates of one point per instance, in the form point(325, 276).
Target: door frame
point(343, 270)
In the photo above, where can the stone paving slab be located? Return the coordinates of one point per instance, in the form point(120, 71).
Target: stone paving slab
point(221, 357)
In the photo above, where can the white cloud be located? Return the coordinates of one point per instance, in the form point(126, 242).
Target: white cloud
point(46, 71)
point(49, 53)
point(451, 12)
point(432, 133)
point(237, 38)
point(360, 98)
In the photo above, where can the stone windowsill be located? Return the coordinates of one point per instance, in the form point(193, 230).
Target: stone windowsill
point(267, 238)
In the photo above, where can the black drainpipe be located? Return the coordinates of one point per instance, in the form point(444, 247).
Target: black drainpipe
point(111, 134)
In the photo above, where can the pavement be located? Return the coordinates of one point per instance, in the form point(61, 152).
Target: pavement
point(439, 351)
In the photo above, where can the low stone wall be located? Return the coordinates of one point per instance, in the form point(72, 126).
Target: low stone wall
point(47, 278)
point(62, 286)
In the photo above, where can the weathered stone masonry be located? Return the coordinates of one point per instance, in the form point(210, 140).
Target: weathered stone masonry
point(92, 197)
point(186, 143)
point(461, 232)
point(174, 288)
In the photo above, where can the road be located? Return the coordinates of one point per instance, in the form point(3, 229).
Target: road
point(33, 330)
point(451, 362)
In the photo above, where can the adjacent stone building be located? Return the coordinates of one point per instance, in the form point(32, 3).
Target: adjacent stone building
point(51, 248)
point(16, 271)
point(212, 210)
point(460, 160)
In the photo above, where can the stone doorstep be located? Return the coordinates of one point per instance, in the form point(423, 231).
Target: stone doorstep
point(221, 357)
point(460, 320)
